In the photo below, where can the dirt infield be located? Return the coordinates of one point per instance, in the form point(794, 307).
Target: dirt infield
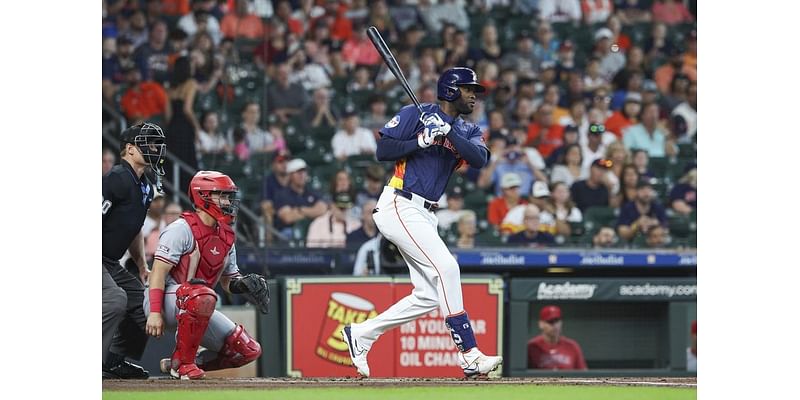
point(159, 384)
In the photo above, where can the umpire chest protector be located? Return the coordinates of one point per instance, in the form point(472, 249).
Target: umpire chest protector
point(207, 260)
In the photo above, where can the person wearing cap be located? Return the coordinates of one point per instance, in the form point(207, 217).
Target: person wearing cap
point(512, 159)
point(551, 349)
point(296, 202)
point(532, 233)
point(648, 135)
point(510, 197)
point(610, 61)
point(352, 139)
point(625, 117)
point(592, 191)
point(691, 351)
point(683, 196)
point(642, 213)
point(650, 92)
point(514, 221)
point(595, 146)
point(455, 208)
point(273, 183)
point(330, 229)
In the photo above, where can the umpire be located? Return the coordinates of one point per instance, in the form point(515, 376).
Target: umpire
point(127, 193)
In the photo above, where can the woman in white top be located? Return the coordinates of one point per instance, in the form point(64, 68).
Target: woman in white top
point(568, 169)
point(209, 139)
point(564, 210)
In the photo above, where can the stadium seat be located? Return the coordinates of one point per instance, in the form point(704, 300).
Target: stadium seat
point(658, 166)
point(595, 217)
point(687, 150)
point(488, 238)
point(679, 226)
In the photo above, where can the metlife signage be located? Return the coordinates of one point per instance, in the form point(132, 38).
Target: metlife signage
point(605, 289)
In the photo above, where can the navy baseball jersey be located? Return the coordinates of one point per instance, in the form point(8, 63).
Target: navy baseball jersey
point(426, 171)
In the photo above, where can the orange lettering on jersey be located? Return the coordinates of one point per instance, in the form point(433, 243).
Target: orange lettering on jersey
point(399, 172)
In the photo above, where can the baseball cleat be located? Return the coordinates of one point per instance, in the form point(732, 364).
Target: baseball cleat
point(358, 356)
point(188, 372)
point(165, 365)
point(479, 364)
point(125, 370)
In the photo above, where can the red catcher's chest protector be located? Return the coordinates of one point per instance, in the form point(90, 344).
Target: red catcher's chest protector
point(207, 260)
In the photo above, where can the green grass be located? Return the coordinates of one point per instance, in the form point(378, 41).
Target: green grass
point(526, 392)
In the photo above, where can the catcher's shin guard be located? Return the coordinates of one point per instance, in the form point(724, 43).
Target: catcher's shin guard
point(239, 349)
point(196, 304)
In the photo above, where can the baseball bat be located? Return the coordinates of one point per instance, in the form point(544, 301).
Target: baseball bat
point(391, 62)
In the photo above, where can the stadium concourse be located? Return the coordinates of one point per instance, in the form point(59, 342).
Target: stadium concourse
point(255, 84)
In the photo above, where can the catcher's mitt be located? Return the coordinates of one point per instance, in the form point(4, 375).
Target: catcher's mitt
point(254, 288)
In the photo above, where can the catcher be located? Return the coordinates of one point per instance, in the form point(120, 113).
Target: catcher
point(194, 253)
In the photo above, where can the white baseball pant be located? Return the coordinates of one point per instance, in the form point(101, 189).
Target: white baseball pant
point(433, 269)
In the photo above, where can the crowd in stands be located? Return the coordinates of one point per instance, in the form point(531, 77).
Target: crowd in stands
point(590, 112)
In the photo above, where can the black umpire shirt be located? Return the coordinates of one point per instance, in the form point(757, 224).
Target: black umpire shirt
point(126, 199)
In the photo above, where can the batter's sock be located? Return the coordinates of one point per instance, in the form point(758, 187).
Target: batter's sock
point(461, 330)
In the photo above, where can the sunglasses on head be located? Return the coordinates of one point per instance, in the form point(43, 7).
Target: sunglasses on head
point(597, 128)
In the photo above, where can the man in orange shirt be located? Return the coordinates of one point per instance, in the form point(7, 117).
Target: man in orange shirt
point(664, 74)
point(142, 100)
point(241, 23)
point(627, 116)
point(551, 349)
point(499, 206)
point(543, 134)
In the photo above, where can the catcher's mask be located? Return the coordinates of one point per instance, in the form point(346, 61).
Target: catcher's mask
point(149, 139)
point(202, 190)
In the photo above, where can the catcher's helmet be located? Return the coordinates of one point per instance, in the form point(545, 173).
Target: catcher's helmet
point(204, 184)
point(447, 88)
point(149, 138)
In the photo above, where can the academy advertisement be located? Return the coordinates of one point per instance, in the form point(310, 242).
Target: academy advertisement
point(630, 289)
point(317, 309)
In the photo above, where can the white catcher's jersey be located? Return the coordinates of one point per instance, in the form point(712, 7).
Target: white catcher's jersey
point(177, 240)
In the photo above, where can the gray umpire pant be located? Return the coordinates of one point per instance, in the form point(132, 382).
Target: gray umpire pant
point(123, 317)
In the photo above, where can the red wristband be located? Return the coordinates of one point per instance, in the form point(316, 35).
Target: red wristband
point(156, 300)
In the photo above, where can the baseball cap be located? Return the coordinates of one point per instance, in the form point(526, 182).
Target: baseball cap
point(343, 200)
point(602, 163)
point(633, 97)
point(296, 165)
point(570, 128)
point(510, 180)
point(540, 189)
point(649, 85)
point(349, 111)
point(545, 65)
point(455, 192)
point(549, 313)
point(603, 33)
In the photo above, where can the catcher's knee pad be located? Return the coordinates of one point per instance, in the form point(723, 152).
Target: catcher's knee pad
point(196, 304)
point(239, 349)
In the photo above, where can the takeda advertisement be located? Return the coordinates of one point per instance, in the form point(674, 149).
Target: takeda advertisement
point(318, 308)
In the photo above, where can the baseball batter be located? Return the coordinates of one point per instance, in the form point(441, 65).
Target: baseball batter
point(194, 253)
point(426, 150)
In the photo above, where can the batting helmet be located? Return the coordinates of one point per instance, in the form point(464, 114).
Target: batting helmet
point(206, 183)
point(449, 82)
point(149, 138)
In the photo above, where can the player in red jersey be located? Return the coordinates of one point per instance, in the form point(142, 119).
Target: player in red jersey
point(551, 349)
point(194, 253)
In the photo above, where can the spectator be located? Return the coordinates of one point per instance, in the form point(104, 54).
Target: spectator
point(564, 211)
point(285, 99)
point(320, 113)
point(442, 13)
point(592, 80)
point(373, 184)
point(601, 101)
point(368, 230)
point(570, 138)
point(629, 180)
point(560, 10)
point(632, 12)
point(273, 183)
point(691, 351)
point(690, 56)
point(352, 139)
point(671, 12)
point(683, 196)
point(641, 161)
point(508, 199)
point(359, 50)
point(687, 111)
point(552, 96)
point(512, 159)
point(657, 237)
point(627, 116)
point(678, 93)
point(240, 23)
point(143, 100)
point(200, 20)
point(620, 39)
point(546, 46)
point(664, 74)
point(169, 214)
point(331, 228)
point(112, 70)
point(182, 124)
point(210, 140)
point(641, 214)
point(454, 210)
point(610, 61)
point(649, 136)
point(467, 228)
point(296, 202)
point(569, 168)
point(657, 46)
point(258, 140)
point(531, 236)
point(153, 56)
point(109, 160)
point(240, 146)
point(592, 192)
point(551, 349)
point(544, 134)
point(136, 30)
point(377, 115)
point(489, 46)
point(310, 66)
point(604, 238)
point(594, 147)
point(368, 257)
point(522, 59)
point(514, 221)
point(595, 12)
point(619, 156)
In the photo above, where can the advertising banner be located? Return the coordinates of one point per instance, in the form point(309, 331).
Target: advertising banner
point(317, 309)
point(588, 289)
